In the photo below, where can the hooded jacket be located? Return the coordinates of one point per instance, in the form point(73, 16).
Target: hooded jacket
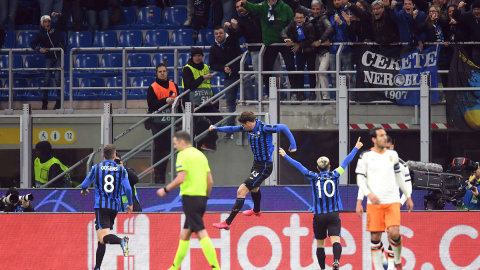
point(48, 39)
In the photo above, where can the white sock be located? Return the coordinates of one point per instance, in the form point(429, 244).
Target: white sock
point(397, 250)
point(377, 255)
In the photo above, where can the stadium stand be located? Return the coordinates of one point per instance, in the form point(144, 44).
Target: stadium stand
point(85, 61)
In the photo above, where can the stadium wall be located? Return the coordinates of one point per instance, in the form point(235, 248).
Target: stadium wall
point(431, 240)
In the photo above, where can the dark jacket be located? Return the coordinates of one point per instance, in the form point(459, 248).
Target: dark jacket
point(19, 208)
point(48, 39)
point(469, 20)
point(249, 27)
point(187, 76)
point(153, 102)
point(384, 29)
point(430, 31)
point(220, 55)
point(305, 44)
point(323, 31)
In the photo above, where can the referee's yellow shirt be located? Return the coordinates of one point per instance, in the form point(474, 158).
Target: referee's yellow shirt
point(195, 163)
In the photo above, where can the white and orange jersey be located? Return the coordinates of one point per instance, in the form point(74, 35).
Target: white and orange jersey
point(379, 173)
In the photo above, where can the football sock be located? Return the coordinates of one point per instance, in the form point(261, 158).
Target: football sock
point(256, 197)
point(337, 251)
point(377, 254)
point(181, 252)
point(397, 249)
point(100, 253)
point(236, 207)
point(391, 257)
point(321, 257)
point(209, 252)
point(112, 239)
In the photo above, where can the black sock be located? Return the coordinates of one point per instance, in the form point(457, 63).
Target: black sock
point(337, 251)
point(100, 253)
point(236, 207)
point(112, 239)
point(321, 257)
point(256, 197)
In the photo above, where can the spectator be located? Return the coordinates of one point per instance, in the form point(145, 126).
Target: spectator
point(471, 19)
point(385, 30)
point(20, 206)
point(323, 34)
point(201, 16)
point(8, 9)
point(274, 16)
point(49, 6)
point(224, 50)
point(434, 26)
point(71, 7)
point(47, 37)
point(423, 5)
point(471, 200)
point(404, 19)
point(246, 24)
point(223, 11)
point(299, 36)
point(47, 167)
point(160, 93)
point(457, 31)
point(188, 21)
point(196, 78)
point(97, 10)
point(340, 34)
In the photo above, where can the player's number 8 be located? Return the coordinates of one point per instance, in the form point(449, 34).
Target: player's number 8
point(329, 181)
point(109, 187)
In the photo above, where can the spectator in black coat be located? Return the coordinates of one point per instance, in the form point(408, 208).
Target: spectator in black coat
point(49, 37)
point(472, 20)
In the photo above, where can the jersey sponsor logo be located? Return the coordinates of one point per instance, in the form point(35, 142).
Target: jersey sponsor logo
point(252, 134)
point(109, 168)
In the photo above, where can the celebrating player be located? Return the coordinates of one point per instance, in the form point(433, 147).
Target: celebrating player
point(326, 202)
point(108, 177)
point(260, 137)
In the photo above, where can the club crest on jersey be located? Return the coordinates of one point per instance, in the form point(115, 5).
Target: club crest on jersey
point(391, 158)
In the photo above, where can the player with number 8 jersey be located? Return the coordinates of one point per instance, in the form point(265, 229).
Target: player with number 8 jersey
point(109, 177)
point(326, 202)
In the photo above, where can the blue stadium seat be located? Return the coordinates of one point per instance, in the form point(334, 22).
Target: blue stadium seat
point(206, 59)
point(129, 17)
point(217, 83)
point(169, 57)
point(181, 37)
point(81, 39)
point(17, 82)
point(205, 38)
point(156, 38)
point(130, 38)
point(89, 94)
point(139, 93)
point(174, 17)
point(139, 60)
point(109, 60)
point(33, 61)
point(85, 61)
point(105, 39)
point(148, 18)
point(4, 60)
point(52, 95)
point(9, 40)
point(3, 92)
point(182, 59)
point(112, 94)
point(34, 95)
point(24, 39)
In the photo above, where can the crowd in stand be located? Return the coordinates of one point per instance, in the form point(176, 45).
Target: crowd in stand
point(307, 28)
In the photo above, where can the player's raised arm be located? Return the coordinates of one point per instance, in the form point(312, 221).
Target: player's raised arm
point(226, 129)
point(350, 156)
point(283, 128)
point(292, 161)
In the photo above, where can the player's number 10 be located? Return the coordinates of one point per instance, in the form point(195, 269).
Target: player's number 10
point(329, 181)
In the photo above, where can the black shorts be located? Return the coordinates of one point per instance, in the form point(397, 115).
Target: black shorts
point(104, 218)
point(194, 207)
point(261, 170)
point(326, 223)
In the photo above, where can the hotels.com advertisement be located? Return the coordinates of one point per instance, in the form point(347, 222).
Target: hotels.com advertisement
point(431, 240)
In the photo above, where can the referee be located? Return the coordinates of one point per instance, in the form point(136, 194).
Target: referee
point(195, 181)
point(109, 178)
point(326, 202)
point(260, 137)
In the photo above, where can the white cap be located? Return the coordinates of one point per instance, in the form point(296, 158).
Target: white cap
point(323, 162)
point(44, 17)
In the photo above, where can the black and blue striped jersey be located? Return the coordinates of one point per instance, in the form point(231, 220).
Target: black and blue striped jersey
point(109, 178)
point(325, 193)
point(260, 138)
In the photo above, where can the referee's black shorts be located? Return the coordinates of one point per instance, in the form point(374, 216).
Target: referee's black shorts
point(194, 207)
point(104, 218)
point(261, 170)
point(328, 223)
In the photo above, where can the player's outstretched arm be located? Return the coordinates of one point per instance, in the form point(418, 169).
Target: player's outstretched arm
point(286, 131)
point(352, 154)
point(292, 161)
point(226, 129)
